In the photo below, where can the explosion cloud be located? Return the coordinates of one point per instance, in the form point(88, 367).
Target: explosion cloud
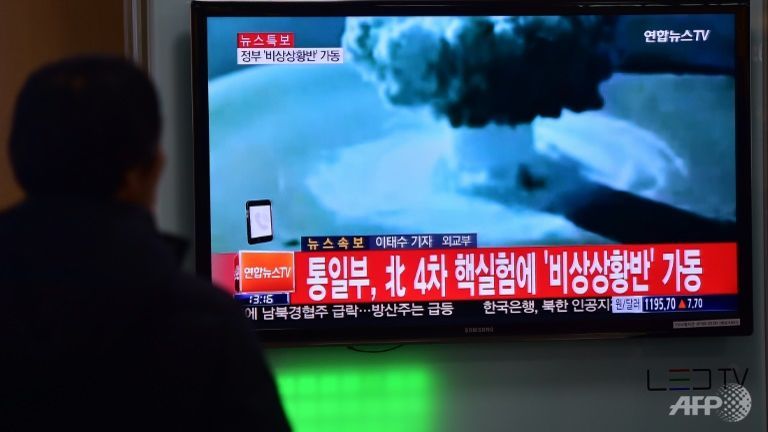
point(481, 70)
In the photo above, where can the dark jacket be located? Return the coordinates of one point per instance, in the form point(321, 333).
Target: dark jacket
point(99, 329)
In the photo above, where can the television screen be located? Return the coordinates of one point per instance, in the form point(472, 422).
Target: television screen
point(394, 171)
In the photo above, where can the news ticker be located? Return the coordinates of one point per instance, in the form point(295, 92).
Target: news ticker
point(388, 242)
point(613, 305)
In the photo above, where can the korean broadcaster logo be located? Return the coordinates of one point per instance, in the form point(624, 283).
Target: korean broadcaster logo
point(732, 404)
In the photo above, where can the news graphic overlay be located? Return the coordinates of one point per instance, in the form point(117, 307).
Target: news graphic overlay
point(259, 221)
point(444, 175)
point(278, 48)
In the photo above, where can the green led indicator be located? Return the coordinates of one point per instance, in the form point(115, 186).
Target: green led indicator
point(397, 398)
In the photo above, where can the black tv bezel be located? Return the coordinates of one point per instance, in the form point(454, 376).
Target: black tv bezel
point(657, 326)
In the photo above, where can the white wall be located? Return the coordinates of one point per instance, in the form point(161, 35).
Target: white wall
point(529, 386)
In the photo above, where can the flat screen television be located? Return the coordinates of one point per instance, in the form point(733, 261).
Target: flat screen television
point(419, 171)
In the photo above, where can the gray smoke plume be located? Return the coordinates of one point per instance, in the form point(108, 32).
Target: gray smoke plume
point(480, 70)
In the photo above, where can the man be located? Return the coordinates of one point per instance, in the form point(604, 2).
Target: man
point(99, 328)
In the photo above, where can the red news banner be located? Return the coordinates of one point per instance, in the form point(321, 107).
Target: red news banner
point(490, 273)
point(265, 40)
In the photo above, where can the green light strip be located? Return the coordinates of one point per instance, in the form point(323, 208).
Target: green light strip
point(386, 398)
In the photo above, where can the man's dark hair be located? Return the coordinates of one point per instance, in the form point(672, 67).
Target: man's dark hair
point(81, 124)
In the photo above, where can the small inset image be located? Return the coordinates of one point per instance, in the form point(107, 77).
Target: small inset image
point(259, 221)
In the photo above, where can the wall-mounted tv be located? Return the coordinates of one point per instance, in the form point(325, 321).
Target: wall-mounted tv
point(471, 169)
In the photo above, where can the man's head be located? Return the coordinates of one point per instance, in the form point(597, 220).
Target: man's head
point(88, 127)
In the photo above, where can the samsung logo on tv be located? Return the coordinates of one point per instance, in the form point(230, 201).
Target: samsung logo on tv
point(468, 330)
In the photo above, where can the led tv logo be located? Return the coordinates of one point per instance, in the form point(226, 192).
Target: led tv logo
point(732, 404)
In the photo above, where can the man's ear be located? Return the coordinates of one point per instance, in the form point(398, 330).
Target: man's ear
point(153, 178)
point(158, 165)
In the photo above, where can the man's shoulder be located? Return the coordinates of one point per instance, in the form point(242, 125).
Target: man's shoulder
point(11, 220)
point(197, 288)
point(194, 294)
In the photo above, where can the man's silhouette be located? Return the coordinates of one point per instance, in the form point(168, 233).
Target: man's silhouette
point(99, 329)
